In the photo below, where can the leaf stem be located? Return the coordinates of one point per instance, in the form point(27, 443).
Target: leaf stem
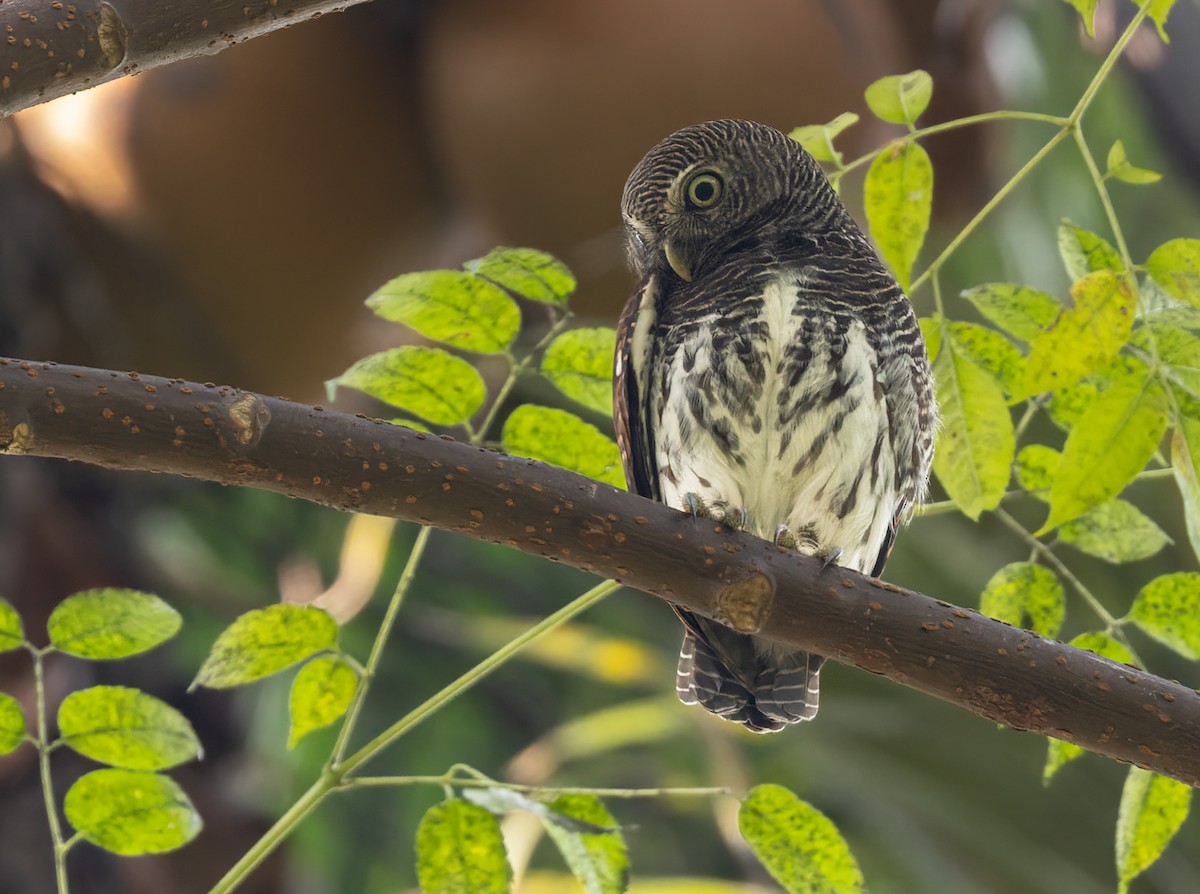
point(459, 782)
point(43, 748)
point(516, 370)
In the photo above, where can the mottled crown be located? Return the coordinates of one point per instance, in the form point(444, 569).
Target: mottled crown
point(766, 179)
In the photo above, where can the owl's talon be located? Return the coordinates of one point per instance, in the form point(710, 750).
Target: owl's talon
point(829, 556)
point(785, 538)
point(717, 511)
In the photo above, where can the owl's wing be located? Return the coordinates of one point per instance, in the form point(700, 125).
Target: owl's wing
point(635, 436)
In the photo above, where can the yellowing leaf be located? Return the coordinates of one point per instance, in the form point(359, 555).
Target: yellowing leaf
point(1159, 10)
point(1168, 609)
point(1108, 446)
point(931, 334)
point(12, 723)
point(111, 623)
point(976, 443)
point(817, 139)
point(1175, 268)
point(530, 273)
point(131, 812)
point(450, 306)
point(799, 845)
point(580, 364)
point(11, 633)
point(898, 195)
point(265, 641)
point(900, 99)
point(1085, 336)
point(1020, 311)
point(1151, 812)
point(1185, 461)
point(599, 860)
point(1087, 12)
point(321, 693)
point(429, 382)
point(1115, 531)
point(991, 351)
point(562, 439)
point(460, 851)
point(126, 728)
point(1035, 468)
point(1022, 589)
point(1084, 252)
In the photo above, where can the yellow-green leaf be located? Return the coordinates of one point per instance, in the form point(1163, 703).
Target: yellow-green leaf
point(12, 723)
point(1151, 812)
point(976, 443)
point(111, 623)
point(580, 364)
point(898, 195)
point(456, 308)
point(1185, 461)
point(1084, 252)
point(12, 634)
point(799, 845)
point(1175, 268)
point(1085, 337)
point(562, 439)
point(1109, 445)
point(1020, 311)
point(1060, 752)
point(1067, 405)
point(460, 851)
point(818, 139)
point(900, 99)
point(991, 351)
point(931, 334)
point(599, 860)
point(429, 382)
point(265, 641)
point(321, 693)
point(1168, 609)
point(126, 728)
point(1087, 12)
point(1159, 10)
point(530, 273)
point(1035, 468)
point(131, 812)
point(1023, 590)
point(1120, 167)
point(1115, 531)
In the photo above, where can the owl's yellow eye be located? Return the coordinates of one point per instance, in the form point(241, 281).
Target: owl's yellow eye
point(704, 190)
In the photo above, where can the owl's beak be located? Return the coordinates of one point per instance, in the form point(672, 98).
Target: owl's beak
point(675, 259)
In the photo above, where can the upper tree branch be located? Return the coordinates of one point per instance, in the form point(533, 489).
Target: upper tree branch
point(127, 421)
point(50, 49)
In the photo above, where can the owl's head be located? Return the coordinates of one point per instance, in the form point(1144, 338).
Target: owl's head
point(709, 187)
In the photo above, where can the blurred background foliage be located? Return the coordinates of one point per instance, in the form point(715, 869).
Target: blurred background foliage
point(223, 218)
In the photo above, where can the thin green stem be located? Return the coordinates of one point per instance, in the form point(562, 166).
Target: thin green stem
point(1105, 198)
point(516, 370)
point(459, 782)
point(377, 647)
point(473, 676)
point(43, 749)
point(1106, 66)
point(1031, 409)
point(937, 296)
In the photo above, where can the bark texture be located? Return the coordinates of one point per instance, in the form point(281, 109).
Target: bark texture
point(128, 421)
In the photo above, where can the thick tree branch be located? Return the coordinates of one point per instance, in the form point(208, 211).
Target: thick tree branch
point(50, 49)
point(132, 422)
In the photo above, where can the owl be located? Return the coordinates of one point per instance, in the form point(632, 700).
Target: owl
point(769, 375)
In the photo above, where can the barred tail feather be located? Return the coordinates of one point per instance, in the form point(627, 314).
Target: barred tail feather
point(790, 690)
point(704, 679)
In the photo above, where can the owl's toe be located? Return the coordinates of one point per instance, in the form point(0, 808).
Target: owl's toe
point(829, 556)
point(719, 511)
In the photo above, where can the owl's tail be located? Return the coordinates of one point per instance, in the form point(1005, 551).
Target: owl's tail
point(724, 673)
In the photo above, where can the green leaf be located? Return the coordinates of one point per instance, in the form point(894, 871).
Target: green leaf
point(1115, 531)
point(1020, 311)
point(562, 439)
point(530, 273)
point(1084, 338)
point(580, 364)
point(991, 352)
point(898, 195)
point(1168, 609)
point(126, 728)
point(1087, 12)
point(1084, 252)
point(976, 443)
point(900, 99)
point(265, 641)
point(1023, 590)
point(130, 812)
point(1159, 10)
point(1035, 468)
point(12, 635)
point(1175, 268)
point(1067, 405)
point(1151, 812)
point(321, 693)
point(435, 385)
point(1120, 168)
point(1178, 349)
point(1108, 446)
point(799, 845)
point(1059, 752)
point(931, 334)
point(817, 139)
point(456, 308)
point(1185, 461)
point(599, 861)
point(111, 623)
point(460, 851)
point(12, 723)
